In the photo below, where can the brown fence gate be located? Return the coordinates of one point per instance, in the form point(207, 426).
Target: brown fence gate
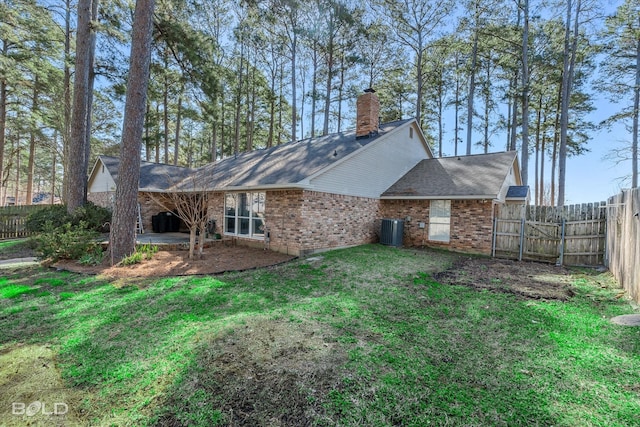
point(568, 235)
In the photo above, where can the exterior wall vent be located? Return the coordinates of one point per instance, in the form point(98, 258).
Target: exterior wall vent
point(391, 232)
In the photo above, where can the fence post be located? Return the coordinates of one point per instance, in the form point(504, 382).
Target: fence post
point(561, 258)
point(495, 236)
point(522, 226)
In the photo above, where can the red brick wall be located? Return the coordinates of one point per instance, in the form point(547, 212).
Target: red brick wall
point(334, 221)
point(471, 224)
point(302, 222)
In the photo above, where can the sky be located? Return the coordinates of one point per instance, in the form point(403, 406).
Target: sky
point(592, 177)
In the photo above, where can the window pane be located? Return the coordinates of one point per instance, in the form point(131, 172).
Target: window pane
point(258, 226)
point(258, 203)
point(440, 220)
point(230, 224)
point(243, 204)
point(230, 204)
point(244, 226)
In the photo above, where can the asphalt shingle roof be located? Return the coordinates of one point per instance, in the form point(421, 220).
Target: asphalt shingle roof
point(284, 164)
point(153, 176)
point(480, 175)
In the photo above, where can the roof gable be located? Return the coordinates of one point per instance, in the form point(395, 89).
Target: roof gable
point(153, 176)
point(283, 165)
point(460, 177)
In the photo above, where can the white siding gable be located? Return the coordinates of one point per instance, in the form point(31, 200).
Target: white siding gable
point(369, 171)
point(510, 180)
point(101, 180)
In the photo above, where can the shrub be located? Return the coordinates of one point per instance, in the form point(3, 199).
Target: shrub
point(95, 256)
point(65, 242)
point(55, 214)
point(89, 216)
point(95, 217)
point(146, 251)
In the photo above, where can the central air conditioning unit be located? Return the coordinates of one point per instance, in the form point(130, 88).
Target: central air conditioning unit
point(391, 232)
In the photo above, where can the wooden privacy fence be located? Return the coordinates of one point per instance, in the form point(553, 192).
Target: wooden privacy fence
point(13, 219)
point(567, 235)
point(623, 245)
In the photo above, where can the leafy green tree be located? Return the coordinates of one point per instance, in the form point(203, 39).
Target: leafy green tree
point(414, 24)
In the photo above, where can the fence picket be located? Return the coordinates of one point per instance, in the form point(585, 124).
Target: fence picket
point(582, 242)
point(13, 220)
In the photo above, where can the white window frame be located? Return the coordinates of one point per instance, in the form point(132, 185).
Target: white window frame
point(440, 221)
point(248, 221)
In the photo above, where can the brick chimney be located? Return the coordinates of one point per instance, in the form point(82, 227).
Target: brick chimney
point(368, 112)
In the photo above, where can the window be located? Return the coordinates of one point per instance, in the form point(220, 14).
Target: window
point(244, 214)
point(440, 220)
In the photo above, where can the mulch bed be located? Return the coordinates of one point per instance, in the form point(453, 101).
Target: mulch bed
point(215, 260)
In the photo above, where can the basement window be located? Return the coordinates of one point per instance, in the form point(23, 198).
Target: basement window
point(440, 220)
point(244, 214)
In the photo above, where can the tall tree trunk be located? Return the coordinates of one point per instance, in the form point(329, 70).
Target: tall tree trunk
point(456, 137)
point(240, 77)
point(124, 214)
point(17, 189)
point(176, 146)
point(272, 113)
point(53, 169)
point(472, 86)
point(314, 87)
point(636, 114)
point(77, 144)
point(570, 48)
point(513, 145)
point(90, 85)
point(487, 109)
point(66, 81)
point(327, 100)
point(32, 147)
point(280, 98)
point(165, 116)
point(294, 97)
point(524, 161)
point(214, 143)
point(419, 78)
point(3, 125)
point(537, 165)
point(340, 95)
point(556, 143)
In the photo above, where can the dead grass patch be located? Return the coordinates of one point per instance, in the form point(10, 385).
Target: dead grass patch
point(273, 372)
point(527, 279)
point(29, 376)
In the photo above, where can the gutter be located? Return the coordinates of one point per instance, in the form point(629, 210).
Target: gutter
point(492, 197)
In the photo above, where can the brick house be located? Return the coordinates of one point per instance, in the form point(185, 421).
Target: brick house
point(334, 191)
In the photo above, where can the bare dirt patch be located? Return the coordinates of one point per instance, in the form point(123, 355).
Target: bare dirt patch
point(215, 260)
point(274, 372)
point(32, 391)
point(527, 279)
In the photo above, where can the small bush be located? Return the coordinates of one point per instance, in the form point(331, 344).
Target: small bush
point(89, 216)
point(65, 242)
point(134, 258)
point(95, 217)
point(55, 214)
point(93, 257)
point(146, 251)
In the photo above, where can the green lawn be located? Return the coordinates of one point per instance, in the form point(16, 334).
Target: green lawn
point(17, 248)
point(353, 337)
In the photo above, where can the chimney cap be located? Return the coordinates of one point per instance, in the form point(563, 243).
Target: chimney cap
point(370, 90)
